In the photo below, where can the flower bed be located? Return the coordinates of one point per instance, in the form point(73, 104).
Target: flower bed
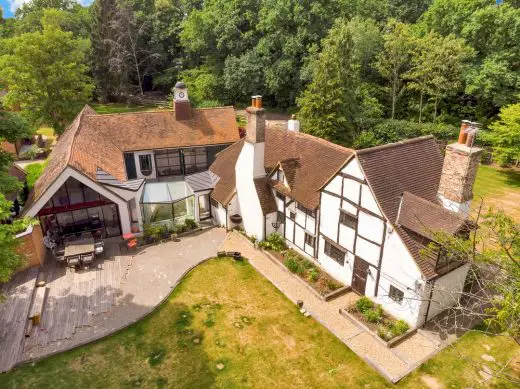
point(377, 320)
point(302, 267)
point(157, 232)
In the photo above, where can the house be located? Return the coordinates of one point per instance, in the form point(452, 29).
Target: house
point(125, 170)
point(365, 216)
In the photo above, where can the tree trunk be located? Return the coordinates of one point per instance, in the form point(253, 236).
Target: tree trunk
point(394, 93)
point(435, 109)
point(420, 106)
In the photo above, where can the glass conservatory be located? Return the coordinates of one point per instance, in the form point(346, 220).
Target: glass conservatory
point(169, 203)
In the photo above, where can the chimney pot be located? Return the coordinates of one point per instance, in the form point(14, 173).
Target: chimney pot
point(463, 131)
point(253, 101)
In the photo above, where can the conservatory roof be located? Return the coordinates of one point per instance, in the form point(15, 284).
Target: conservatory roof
point(165, 192)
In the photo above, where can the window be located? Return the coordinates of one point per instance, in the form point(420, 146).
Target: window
point(145, 163)
point(309, 239)
point(195, 160)
point(213, 202)
point(280, 175)
point(307, 211)
point(280, 217)
point(348, 219)
point(396, 294)
point(168, 162)
point(280, 196)
point(292, 215)
point(335, 253)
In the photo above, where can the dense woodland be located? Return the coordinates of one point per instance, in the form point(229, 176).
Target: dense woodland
point(359, 72)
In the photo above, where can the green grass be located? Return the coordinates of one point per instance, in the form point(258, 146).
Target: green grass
point(498, 188)
point(121, 108)
point(224, 312)
point(492, 181)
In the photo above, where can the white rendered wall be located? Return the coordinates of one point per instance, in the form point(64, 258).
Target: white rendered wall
point(447, 290)
point(398, 268)
point(463, 208)
point(219, 215)
point(247, 166)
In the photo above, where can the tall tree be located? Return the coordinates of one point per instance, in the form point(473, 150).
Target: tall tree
point(130, 51)
point(46, 73)
point(102, 13)
point(438, 66)
point(394, 61)
point(329, 103)
point(505, 135)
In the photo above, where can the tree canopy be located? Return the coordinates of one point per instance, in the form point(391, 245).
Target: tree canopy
point(46, 73)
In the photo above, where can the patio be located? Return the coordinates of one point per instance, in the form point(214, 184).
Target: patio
point(82, 305)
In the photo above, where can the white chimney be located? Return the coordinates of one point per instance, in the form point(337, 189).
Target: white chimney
point(293, 124)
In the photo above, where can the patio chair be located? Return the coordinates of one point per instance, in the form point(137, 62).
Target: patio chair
point(73, 260)
point(87, 259)
point(99, 247)
point(59, 258)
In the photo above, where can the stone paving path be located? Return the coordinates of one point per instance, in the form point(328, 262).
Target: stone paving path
point(154, 272)
point(393, 363)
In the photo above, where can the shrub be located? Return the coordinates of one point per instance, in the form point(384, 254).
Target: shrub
point(292, 265)
point(314, 274)
point(307, 264)
point(155, 231)
point(399, 327)
point(384, 332)
point(372, 316)
point(190, 224)
point(275, 242)
point(34, 171)
point(364, 304)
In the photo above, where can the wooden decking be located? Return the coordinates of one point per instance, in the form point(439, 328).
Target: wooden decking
point(13, 316)
point(75, 296)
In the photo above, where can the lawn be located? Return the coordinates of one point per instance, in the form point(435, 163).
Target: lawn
point(498, 187)
point(226, 326)
point(122, 108)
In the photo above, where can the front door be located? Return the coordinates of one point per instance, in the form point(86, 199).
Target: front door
point(359, 276)
point(204, 207)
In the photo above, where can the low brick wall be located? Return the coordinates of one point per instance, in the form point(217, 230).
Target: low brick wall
point(32, 247)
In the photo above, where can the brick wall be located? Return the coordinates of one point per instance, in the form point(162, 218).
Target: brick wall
point(32, 247)
point(459, 172)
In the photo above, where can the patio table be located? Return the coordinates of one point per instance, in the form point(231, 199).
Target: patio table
point(79, 246)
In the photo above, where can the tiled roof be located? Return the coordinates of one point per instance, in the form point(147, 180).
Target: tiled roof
point(310, 163)
point(95, 141)
point(427, 218)
point(265, 195)
point(290, 168)
point(412, 167)
point(224, 168)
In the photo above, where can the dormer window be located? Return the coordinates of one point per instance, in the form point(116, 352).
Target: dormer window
point(145, 164)
point(280, 176)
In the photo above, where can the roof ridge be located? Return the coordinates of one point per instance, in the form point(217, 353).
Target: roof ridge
point(315, 138)
point(79, 118)
point(155, 112)
point(394, 144)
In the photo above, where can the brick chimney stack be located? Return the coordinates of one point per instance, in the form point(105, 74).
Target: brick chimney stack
point(181, 102)
point(460, 170)
point(255, 130)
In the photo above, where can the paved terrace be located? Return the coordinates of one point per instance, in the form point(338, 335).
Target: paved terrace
point(85, 305)
point(393, 363)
